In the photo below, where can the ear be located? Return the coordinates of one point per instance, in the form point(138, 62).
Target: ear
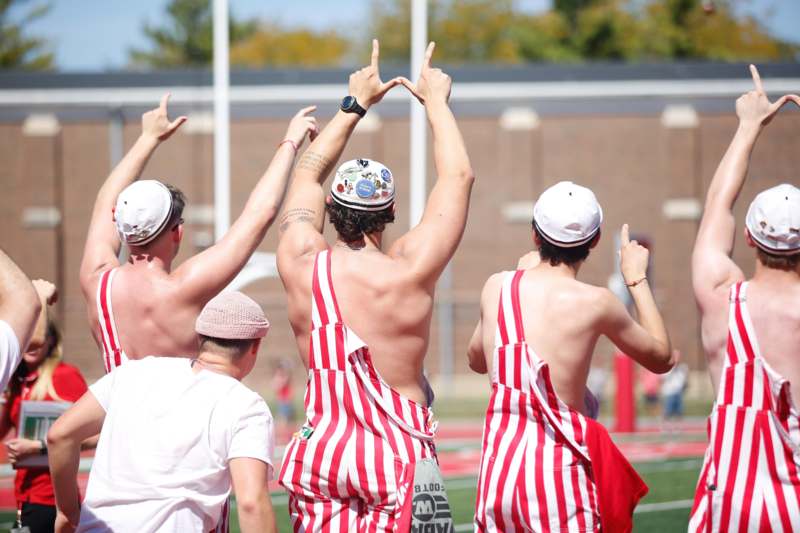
point(255, 346)
point(749, 238)
point(178, 234)
point(328, 200)
point(537, 240)
point(394, 209)
point(596, 239)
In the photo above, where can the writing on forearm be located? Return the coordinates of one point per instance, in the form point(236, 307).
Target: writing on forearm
point(314, 162)
point(292, 216)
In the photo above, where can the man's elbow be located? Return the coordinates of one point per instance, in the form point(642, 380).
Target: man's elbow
point(58, 435)
point(251, 504)
point(477, 363)
point(665, 358)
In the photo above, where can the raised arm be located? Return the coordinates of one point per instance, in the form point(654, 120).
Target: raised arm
point(19, 305)
point(102, 242)
point(712, 266)
point(646, 342)
point(249, 478)
point(430, 245)
point(207, 273)
point(304, 211)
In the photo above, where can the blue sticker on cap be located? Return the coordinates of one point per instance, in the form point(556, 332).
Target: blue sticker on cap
point(386, 175)
point(365, 188)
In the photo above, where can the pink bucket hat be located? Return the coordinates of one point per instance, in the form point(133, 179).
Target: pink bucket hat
point(232, 315)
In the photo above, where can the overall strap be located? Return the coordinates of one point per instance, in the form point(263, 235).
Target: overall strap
point(105, 315)
point(324, 307)
point(509, 315)
point(740, 348)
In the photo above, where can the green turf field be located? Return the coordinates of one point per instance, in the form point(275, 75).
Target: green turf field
point(669, 481)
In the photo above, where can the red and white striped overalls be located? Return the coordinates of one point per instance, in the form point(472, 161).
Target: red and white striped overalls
point(351, 467)
point(114, 355)
point(749, 480)
point(535, 472)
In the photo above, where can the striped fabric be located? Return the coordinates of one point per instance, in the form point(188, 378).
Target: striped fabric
point(113, 355)
point(351, 466)
point(535, 472)
point(749, 480)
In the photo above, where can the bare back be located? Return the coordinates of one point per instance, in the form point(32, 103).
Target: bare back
point(561, 319)
point(773, 306)
point(381, 302)
point(149, 313)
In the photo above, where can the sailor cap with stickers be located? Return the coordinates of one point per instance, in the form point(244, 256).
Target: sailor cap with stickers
point(363, 184)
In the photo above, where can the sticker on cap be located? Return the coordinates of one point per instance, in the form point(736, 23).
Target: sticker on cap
point(386, 175)
point(365, 188)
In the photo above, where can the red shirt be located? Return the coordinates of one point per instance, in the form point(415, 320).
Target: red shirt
point(33, 484)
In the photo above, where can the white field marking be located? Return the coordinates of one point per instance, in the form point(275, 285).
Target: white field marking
point(645, 508)
point(663, 506)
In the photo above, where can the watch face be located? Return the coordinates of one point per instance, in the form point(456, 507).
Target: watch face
point(348, 102)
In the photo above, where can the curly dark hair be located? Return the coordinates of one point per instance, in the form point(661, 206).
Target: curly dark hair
point(353, 224)
point(556, 255)
point(178, 203)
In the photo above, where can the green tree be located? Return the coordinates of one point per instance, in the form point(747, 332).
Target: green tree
point(578, 30)
point(18, 51)
point(271, 45)
point(187, 38)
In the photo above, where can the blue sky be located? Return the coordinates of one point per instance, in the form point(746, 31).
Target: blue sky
point(96, 34)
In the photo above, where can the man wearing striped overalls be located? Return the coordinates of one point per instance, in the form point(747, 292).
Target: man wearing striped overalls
point(364, 459)
point(143, 307)
point(546, 465)
point(750, 479)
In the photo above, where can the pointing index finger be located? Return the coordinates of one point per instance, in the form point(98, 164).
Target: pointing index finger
point(624, 235)
point(756, 78)
point(164, 101)
point(375, 53)
point(426, 63)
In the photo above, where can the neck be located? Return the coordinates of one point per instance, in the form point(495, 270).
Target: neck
point(216, 363)
point(370, 242)
point(150, 260)
point(775, 275)
point(563, 269)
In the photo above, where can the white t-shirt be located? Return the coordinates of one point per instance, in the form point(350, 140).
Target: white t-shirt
point(162, 458)
point(10, 353)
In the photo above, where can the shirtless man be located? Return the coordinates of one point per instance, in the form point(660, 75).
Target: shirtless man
point(537, 333)
point(155, 307)
point(751, 336)
point(361, 315)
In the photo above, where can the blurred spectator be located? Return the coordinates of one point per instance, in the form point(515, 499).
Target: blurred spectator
point(651, 387)
point(284, 394)
point(41, 376)
point(673, 387)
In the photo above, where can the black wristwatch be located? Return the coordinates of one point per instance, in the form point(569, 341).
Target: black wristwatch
point(350, 105)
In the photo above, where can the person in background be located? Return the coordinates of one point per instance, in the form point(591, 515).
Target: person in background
point(284, 394)
point(41, 376)
point(673, 386)
point(651, 390)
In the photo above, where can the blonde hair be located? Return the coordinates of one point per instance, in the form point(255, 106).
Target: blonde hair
point(44, 383)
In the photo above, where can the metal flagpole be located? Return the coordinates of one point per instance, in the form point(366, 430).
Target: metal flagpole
point(222, 156)
point(418, 165)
